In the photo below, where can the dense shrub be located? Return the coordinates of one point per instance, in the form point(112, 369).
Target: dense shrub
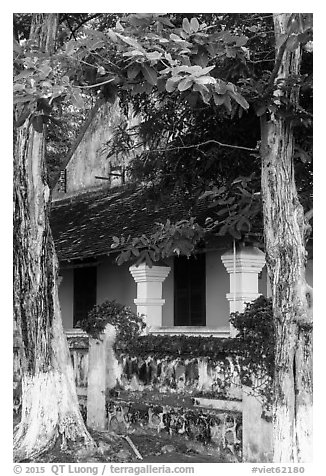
point(255, 339)
point(180, 346)
point(256, 342)
point(127, 323)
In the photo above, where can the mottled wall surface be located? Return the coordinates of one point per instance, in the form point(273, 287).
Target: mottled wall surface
point(196, 376)
point(198, 398)
point(220, 430)
point(186, 377)
point(158, 395)
point(258, 433)
point(90, 157)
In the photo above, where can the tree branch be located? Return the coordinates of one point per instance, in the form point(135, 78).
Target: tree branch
point(81, 24)
point(97, 84)
point(212, 141)
point(72, 33)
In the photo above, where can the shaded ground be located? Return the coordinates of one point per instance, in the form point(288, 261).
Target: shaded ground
point(154, 448)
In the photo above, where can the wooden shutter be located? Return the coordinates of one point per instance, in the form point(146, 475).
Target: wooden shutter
point(84, 291)
point(190, 291)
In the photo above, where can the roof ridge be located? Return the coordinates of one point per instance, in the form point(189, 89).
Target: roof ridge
point(58, 201)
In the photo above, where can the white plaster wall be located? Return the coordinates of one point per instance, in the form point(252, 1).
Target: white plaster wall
point(217, 286)
point(90, 157)
point(115, 282)
point(66, 293)
point(263, 285)
point(309, 272)
point(168, 295)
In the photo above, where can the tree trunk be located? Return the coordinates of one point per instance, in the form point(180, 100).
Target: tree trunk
point(285, 230)
point(49, 401)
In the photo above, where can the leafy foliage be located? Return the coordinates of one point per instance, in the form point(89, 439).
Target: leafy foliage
point(236, 208)
point(169, 239)
point(148, 51)
point(256, 336)
point(180, 346)
point(127, 324)
point(252, 350)
point(187, 76)
point(256, 343)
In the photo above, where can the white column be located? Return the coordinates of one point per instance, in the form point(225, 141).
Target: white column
point(243, 268)
point(149, 292)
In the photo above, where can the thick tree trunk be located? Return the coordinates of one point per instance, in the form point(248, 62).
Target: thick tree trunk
point(49, 400)
point(285, 230)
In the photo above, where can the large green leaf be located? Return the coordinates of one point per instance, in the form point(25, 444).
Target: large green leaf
point(149, 74)
point(131, 42)
point(185, 84)
point(219, 99)
point(205, 80)
point(194, 24)
point(154, 56)
point(133, 71)
point(24, 74)
point(172, 83)
point(220, 87)
point(240, 100)
point(176, 38)
point(186, 25)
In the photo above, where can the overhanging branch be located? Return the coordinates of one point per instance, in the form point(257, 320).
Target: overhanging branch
point(212, 141)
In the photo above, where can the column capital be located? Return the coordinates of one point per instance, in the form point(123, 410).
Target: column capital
point(143, 273)
point(149, 302)
point(248, 259)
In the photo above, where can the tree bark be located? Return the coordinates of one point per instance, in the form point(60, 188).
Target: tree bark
point(49, 401)
point(285, 234)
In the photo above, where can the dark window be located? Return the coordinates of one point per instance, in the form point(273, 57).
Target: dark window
point(84, 291)
point(190, 291)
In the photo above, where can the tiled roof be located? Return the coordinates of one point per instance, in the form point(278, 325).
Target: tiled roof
point(83, 226)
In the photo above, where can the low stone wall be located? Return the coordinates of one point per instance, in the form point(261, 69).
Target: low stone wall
point(198, 398)
point(194, 377)
point(198, 376)
point(163, 394)
point(221, 430)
